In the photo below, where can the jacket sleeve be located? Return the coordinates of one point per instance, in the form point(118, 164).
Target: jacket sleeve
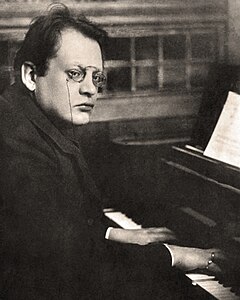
point(155, 254)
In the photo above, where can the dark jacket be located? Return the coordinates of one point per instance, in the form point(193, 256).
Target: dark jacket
point(52, 225)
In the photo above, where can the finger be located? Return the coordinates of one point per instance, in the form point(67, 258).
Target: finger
point(163, 237)
point(160, 230)
point(214, 268)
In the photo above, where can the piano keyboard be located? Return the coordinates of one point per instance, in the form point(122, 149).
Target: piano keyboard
point(206, 282)
point(212, 286)
point(121, 219)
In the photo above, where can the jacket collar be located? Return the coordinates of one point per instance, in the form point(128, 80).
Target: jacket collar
point(23, 102)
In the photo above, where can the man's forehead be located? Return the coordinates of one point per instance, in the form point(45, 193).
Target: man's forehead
point(75, 48)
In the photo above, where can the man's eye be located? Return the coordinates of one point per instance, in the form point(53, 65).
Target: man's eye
point(76, 75)
point(99, 78)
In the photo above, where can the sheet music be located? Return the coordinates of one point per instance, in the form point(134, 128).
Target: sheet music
point(224, 144)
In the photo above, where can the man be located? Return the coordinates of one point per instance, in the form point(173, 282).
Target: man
point(56, 243)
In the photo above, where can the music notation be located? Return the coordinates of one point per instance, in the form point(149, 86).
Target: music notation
point(224, 144)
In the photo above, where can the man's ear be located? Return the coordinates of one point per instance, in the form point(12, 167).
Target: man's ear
point(28, 75)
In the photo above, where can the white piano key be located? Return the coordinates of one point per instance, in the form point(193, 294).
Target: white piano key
point(121, 219)
point(199, 277)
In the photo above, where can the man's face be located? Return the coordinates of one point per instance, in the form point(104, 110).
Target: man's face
point(57, 93)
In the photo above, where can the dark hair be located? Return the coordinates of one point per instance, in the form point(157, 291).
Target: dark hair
point(42, 39)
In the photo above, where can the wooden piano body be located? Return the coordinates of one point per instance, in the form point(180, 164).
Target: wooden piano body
point(207, 192)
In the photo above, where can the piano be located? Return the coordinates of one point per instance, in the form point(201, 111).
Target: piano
point(212, 288)
point(179, 188)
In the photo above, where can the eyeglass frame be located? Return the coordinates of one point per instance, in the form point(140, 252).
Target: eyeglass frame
point(84, 73)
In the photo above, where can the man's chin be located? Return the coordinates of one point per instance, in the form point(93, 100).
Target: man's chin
point(81, 120)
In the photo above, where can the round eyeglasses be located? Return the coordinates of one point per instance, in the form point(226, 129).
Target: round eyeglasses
point(98, 77)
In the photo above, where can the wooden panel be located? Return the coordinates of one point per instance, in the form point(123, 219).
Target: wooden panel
point(125, 108)
point(151, 129)
point(19, 14)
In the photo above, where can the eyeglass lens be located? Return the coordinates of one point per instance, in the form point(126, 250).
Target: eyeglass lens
point(98, 77)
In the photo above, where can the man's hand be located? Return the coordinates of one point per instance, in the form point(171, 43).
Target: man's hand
point(142, 236)
point(188, 259)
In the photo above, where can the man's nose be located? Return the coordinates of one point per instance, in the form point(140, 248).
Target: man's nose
point(87, 87)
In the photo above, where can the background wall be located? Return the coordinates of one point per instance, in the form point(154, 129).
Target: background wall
point(234, 32)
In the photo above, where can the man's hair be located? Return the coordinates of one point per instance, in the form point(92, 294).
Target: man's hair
point(41, 42)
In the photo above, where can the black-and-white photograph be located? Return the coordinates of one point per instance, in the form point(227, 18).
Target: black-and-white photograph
point(119, 150)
